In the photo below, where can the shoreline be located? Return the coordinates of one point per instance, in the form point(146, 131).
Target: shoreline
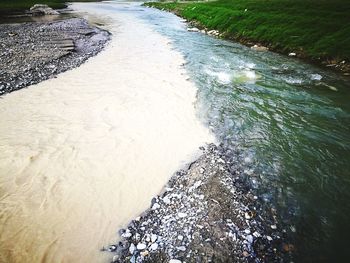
point(333, 64)
point(36, 51)
point(206, 213)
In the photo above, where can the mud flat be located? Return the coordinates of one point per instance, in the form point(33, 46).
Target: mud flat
point(33, 52)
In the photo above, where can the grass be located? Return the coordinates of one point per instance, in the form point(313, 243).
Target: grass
point(316, 29)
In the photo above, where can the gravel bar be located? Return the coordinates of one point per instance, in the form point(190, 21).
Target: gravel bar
point(33, 52)
point(206, 213)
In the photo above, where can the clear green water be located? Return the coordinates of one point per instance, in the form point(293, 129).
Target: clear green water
point(288, 121)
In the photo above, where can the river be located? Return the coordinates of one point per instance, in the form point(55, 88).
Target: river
point(81, 155)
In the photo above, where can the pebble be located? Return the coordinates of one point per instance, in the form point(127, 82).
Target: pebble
point(256, 234)
point(269, 238)
point(247, 216)
point(174, 261)
point(155, 206)
point(249, 238)
point(180, 237)
point(273, 227)
point(144, 253)
point(141, 246)
point(154, 238)
point(132, 248)
point(153, 247)
point(126, 234)
point(181, 248)
point(182, 215)
point(166, 200)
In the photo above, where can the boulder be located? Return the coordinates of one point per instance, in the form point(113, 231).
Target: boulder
point(40, 10)
point(259, 48)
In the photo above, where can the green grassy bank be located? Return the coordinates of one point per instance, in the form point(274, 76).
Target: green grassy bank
point(314, 29)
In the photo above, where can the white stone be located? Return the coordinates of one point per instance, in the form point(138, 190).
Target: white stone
point(269, 238)
point(154, 238)
point(132, 248)
point(256, 234)
point(181, 248)
point(155, 206)
point(292, 54)
point(182, 215)
point(180, 237)
point(249, 238)
point(166, 200)
point(126, 234)
point(141, 246)
point(153, 247)
point(193, 29)
point(174, 261)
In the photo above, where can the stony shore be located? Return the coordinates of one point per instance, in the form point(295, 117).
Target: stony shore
point(33, 52)
point(206, 213)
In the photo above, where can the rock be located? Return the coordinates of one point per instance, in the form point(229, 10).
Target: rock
point(141, 246)
point(154, 238)
point(180, 237)
point(247, 215)
point(166, 200)
point(292, 54)
point(40, 10)
point(249, 238)
point(269, 238)
point(259, 48)
point(153, 247)
point(273, 227)
point(192, 29)
point(126, 234)
point(132, 248)
point(155, 206)
point(256, 234)
point(115, 258)
point(181, 248)
point(174, 261)
point(182, 215)
point(144, 253)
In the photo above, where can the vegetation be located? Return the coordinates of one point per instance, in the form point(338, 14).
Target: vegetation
point(317, 29)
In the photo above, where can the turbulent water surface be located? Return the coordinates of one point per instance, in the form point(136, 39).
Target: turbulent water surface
point(83, 153)
point(289, 123)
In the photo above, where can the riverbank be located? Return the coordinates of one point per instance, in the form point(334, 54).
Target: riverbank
point(33, 52)
point(207, 213)
point(315, 31)
point(8, 7)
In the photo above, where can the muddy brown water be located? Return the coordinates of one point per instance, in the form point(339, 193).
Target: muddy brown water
point(82, 154)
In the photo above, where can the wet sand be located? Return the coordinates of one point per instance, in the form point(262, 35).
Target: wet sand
point(82, 154)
